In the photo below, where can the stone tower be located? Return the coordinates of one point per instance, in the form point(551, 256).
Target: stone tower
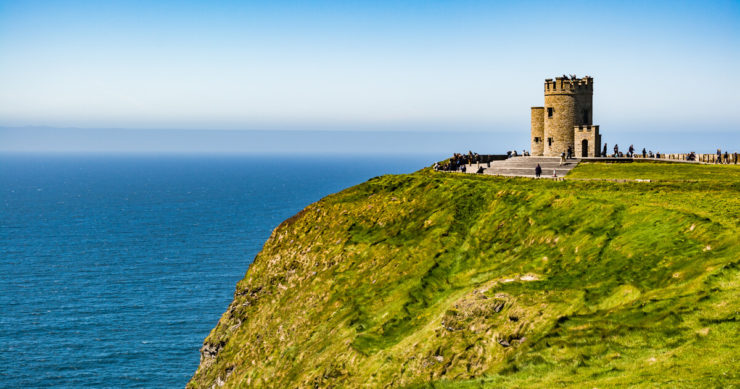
point(538, 131)
point(566, 119)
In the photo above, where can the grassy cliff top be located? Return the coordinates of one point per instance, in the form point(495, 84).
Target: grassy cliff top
point(453, 280)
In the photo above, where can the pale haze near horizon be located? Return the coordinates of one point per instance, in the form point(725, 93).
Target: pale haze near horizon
point(363, 66)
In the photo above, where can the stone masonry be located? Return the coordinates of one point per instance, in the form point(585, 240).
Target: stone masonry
point(566, 119)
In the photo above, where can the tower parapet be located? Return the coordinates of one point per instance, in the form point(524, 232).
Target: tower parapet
point(567, 85)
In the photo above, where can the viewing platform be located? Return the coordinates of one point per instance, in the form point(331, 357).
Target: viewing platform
point(525, 166)
point(521, 166)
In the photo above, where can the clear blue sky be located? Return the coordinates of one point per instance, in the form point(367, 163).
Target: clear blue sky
point(375, 65)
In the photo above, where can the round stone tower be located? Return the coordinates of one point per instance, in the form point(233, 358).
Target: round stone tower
point(538, 131)
point(568, 103)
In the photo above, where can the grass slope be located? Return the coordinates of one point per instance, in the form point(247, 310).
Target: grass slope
point(450, 280)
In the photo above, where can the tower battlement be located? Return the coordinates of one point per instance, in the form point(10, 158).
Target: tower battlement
point(586, 128)
point(567, 85)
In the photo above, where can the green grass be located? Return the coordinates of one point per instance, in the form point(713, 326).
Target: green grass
point(659, 171)
point(417, 280)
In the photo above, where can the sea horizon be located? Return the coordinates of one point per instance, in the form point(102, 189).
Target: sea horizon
point(20, 140)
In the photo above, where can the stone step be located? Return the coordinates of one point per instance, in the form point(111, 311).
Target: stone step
point(518, 171)
point(535, 161)
point(528, 165)
point(529, 158)
point(560, 172)
point(522, 167)
point(539, 159)
point(525, 166)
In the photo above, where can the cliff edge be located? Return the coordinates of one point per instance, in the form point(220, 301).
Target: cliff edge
point(457, 280)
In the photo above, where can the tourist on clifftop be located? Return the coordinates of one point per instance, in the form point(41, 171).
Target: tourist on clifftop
point(538, 171)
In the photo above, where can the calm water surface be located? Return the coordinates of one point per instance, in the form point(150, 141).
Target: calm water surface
point(114, 269)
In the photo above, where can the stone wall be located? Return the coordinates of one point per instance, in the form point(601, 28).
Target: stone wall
point(559, 126)
point(584, 109)
point(734, 158)
point(592, 138)
point(537, 135)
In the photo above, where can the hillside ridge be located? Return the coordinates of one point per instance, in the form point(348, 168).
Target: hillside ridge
point(458, 280)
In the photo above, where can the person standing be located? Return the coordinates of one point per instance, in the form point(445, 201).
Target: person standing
point(603, 153)
point(616, 150)
point(719, 156)
point(562, 158)
point(538, 171)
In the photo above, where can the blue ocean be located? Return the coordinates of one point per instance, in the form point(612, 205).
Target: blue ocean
point(113, 269)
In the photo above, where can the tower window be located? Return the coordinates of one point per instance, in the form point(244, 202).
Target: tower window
point(549, 141)
point(536, 139)
point(549, 112)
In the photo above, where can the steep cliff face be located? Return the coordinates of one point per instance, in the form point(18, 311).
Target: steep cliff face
point(473, 281)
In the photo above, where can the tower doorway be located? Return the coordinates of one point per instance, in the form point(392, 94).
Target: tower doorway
point(584, 148)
